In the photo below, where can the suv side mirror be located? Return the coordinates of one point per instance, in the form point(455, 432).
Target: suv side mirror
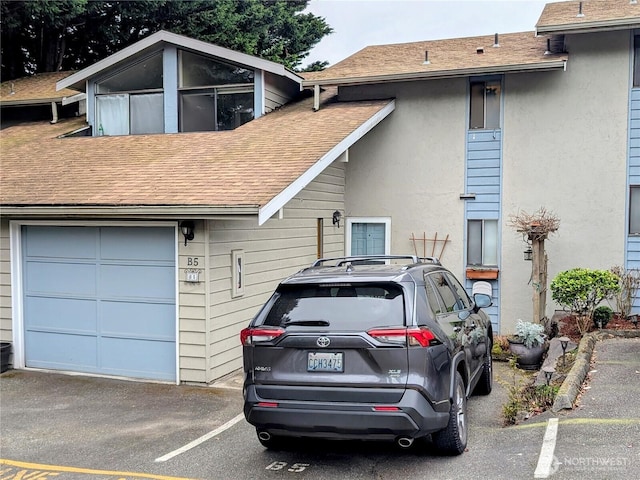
point(481, 292)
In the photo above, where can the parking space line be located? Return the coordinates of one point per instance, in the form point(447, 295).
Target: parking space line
point(202, 439)
point(545, 461)
point(36, 470)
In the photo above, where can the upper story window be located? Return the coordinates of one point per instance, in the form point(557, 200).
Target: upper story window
point(213, 95)
point(131, 101)
point(484, 108)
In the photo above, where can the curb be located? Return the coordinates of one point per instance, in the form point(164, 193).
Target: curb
point(570, 388)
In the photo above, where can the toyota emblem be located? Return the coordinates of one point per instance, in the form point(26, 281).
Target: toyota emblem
point(323, 342)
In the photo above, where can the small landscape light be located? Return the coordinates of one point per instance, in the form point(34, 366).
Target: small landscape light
point(548, 373)
point(564, 342)
point(634, 319)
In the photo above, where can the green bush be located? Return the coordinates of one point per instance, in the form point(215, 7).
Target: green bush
point(580, 290)
point(602, 315)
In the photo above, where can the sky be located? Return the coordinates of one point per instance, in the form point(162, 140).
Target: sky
point(358, 23)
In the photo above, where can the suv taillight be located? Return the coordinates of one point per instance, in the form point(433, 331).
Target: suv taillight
point(249, 336)
point(414, 336)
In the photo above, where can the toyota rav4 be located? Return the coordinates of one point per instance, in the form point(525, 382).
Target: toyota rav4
point(372, 348)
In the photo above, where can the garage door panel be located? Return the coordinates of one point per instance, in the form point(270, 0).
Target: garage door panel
point(61, 315)
point(101, 299)
point(142, 244)
point(139, 358)
point(61, 242)
point(61, 278)
point(142, 320)
point(129, 281)
point(61, 351)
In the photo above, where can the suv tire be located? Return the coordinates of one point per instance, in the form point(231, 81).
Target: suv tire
point(453, 439)
point(485, 384)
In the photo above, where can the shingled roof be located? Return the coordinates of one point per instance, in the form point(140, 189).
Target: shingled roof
point(37, 89)
point(446, 58)
point(254, 169)
point(586, 16)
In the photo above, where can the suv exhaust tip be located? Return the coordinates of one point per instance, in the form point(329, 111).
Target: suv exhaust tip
point(405, 442)
point(264, 436)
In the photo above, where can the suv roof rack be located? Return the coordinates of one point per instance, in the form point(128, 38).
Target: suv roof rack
point(373, 259)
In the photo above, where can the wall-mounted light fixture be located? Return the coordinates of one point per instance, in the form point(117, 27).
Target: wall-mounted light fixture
point(528, 254)
point(186, 228)
point(336, 218)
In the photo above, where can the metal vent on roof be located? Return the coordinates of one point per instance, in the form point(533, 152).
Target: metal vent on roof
point(480, 50)
point(496, 43)
point(580, 14)
point(426, 57)
point(548, 50)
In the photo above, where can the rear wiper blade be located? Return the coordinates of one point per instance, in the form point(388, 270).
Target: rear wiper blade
point(310, 323)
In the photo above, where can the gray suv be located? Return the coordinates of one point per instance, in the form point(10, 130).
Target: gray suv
point(372, 348)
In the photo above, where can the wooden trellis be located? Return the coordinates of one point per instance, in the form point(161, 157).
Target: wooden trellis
point(431, 247)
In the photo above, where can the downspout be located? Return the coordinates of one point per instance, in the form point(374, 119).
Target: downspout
point(54, 113)
point(316, 97)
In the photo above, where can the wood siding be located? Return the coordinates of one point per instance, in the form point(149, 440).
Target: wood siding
point(278, 91)
point(483, 178)
point(633, 241)
point(272, 252)
point(6, 332)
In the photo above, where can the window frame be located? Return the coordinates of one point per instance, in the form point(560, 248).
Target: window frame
point(482, 243)
point(634, 227)
point(369, 220)
point(486, 83)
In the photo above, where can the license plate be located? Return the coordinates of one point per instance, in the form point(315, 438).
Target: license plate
point(324, 362)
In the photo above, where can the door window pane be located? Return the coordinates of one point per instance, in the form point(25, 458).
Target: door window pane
point(147, 113)
point(636, 61)
point(367, 238)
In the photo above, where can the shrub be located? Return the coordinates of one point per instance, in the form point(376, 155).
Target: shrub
point(531, 334)
point(580, 290)
point(629, 284)
point(602, 315)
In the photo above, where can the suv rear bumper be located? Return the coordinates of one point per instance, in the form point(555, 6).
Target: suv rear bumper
point(414, 418)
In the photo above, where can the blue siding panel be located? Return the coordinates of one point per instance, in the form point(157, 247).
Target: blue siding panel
point(632, 260)
point(483, 177)
point(101, 300)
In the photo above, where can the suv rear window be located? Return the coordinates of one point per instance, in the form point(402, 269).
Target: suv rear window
point(345, 306)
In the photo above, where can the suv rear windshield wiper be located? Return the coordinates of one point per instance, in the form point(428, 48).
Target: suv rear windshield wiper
point(310, 323)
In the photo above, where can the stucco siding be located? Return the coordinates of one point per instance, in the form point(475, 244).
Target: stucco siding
point(272, 252)
point(5, 283)
point(412, 168)
point(565, 148)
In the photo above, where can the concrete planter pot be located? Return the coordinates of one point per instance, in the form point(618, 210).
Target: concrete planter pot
point(527, 358)
point(5, 352)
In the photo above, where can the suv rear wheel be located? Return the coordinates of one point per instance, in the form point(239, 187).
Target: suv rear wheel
point(453, 439)
point(485, 384)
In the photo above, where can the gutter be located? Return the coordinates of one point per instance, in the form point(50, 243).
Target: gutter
point(131, 211)
point(587, 27)
point(466, 72)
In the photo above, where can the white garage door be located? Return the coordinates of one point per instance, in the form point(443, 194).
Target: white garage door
point(100, 300)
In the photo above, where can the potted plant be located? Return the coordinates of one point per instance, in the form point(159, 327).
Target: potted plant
point(528, 344)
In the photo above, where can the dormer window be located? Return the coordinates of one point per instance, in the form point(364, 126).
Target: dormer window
point(213, 95)
point(131, 101)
